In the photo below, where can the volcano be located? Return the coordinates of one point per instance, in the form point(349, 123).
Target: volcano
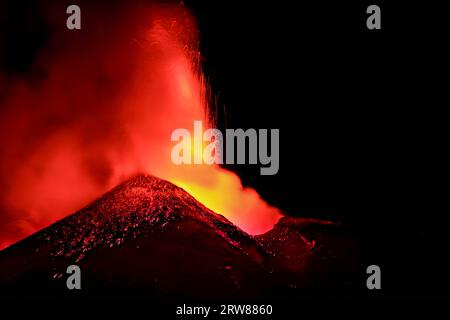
point(148, 237)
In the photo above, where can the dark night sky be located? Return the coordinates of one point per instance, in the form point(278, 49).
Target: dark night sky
point(349, 101)
point(358, 112)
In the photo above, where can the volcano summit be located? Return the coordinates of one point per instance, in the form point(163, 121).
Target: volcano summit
point(148, 237)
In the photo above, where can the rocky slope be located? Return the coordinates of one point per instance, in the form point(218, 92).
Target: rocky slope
point(148, 237)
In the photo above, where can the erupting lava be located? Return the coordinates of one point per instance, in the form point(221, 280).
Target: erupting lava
point(99, 106)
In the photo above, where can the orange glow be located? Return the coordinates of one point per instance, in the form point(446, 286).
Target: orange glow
point(104, 111)
point(225, 195)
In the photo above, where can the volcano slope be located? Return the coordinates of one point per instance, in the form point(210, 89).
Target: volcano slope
point(150, 238)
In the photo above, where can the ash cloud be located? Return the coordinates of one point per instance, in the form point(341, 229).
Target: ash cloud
point(78, 109)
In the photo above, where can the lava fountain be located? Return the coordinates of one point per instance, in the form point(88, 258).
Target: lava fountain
point(99, 105)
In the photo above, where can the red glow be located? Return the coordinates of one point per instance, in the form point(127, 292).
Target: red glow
point(101, 106)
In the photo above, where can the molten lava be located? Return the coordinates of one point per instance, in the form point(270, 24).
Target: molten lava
point(99, 106)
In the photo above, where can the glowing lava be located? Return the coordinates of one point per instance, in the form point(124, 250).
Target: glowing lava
point(102, 110)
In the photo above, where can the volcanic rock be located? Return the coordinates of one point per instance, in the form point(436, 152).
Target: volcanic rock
point(150, 238)
point(311, 253)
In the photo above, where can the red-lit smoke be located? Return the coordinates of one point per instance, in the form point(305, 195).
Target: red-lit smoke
point(99, 106)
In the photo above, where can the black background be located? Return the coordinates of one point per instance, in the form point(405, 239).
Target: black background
point(360, 114)
point(360, 118)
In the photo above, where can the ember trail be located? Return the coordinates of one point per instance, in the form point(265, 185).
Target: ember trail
point(212, 153)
